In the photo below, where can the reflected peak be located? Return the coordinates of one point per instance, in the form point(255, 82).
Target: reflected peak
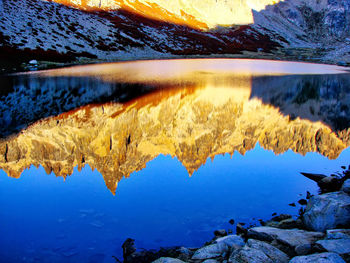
point(189, 124)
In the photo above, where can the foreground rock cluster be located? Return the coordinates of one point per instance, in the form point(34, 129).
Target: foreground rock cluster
point(320, 234)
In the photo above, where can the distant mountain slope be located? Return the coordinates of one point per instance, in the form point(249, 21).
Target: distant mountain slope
point(123, 29)
point(47, 29)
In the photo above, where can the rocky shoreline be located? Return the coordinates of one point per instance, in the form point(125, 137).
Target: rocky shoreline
point(321, 233)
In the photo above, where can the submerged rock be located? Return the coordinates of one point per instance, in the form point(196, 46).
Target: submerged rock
point(327, 211)
point(318, 258)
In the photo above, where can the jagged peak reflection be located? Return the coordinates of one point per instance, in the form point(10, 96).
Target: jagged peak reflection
point(191, 124)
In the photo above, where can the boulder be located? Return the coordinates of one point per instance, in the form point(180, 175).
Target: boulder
point(318, 258)
point(329, 184)
point(304, 249)
point(249, 255)
point(211, 251)
point(339, 246)
point(338, 233)
point(232, 241)
point(346, 187)
point(168, 260)
point(270, 251)
point(327, 211)
point(210, 261)
point(290, 237)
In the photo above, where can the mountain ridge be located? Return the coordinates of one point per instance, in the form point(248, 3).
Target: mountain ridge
point(296, 30)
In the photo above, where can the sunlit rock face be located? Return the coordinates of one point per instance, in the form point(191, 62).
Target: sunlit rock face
point(201, 14)
point(27, 33)
point(190, 124)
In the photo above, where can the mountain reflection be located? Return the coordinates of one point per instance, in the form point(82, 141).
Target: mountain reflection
point(117, 126)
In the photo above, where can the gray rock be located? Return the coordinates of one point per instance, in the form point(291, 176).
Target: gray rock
point(211, 251)
point(270, 251)
point(304, 249)
point(346, 187)
point(339, 246)
point(318, 258)
point(249, 255)
point(168, 260)
point(338, 233)
point(231, 241)
point(210, 261)
point(290, 237)
point(327, 211)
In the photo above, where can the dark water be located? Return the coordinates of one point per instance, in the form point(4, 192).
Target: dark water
point(136, 141)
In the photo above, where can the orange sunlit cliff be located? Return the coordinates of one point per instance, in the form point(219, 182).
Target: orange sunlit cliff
point(198, 14)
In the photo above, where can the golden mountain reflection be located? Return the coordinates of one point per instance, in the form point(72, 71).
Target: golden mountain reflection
point(195, 119)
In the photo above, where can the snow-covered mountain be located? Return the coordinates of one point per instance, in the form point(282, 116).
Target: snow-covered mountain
point(125, 29)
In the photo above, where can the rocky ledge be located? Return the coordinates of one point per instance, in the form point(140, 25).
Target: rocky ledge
point(320, 234)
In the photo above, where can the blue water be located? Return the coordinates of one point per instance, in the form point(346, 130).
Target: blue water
point(47, 219)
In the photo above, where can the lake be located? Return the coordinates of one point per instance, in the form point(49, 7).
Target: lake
point(164, 152)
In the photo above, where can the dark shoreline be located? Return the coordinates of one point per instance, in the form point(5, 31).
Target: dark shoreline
point(9, 65)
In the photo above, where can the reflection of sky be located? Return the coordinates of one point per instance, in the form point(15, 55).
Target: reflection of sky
point(46, 218)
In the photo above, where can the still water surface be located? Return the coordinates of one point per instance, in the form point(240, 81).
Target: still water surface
point(164, 152)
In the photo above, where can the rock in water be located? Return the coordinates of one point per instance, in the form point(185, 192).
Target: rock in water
point(329, 184)
point(327, 211)
point(314, 177)
point(318, 258)
point(220, 233)
point(128, 248)
point(232, 241)
point(168, 260)
point(211, 251)
point(346, 187)
point(270, 251)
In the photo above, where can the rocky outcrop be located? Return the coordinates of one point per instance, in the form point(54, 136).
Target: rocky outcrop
point(288, 237)
point(319, 258)
point(327, 211)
